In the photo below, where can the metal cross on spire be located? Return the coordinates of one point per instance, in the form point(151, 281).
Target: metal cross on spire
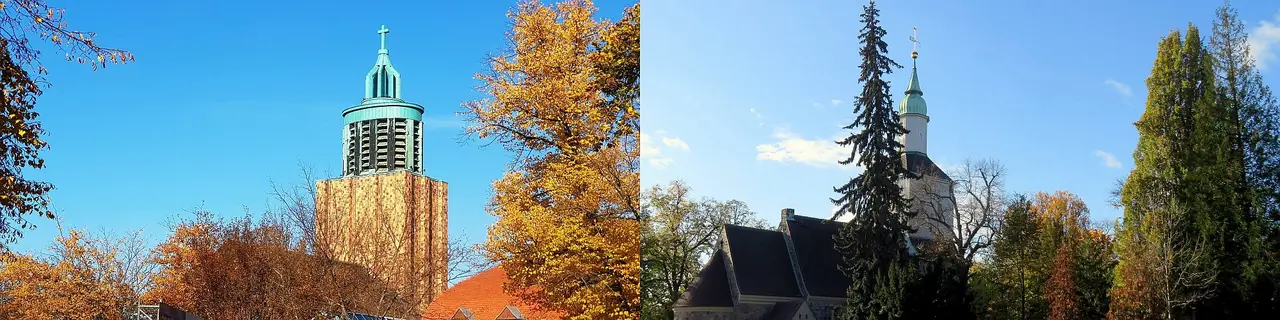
point(383, 32)
point(915, 44)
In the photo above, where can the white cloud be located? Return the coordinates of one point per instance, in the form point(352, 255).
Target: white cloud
point(676, 143)
point(835, 102)
point(655, 152)
point(817, 105)
point(1107, 159)
point(788, 147)
point(844, 218)
point(1121, 88)
point(661, 162)
point(1264, 41)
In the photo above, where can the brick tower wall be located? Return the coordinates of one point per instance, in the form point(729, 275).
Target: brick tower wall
point(394, 224)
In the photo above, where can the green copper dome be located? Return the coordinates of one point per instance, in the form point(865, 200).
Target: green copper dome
point(914, 102)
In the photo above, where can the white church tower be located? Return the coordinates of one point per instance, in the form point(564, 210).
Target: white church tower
point(930, 194)
point(914, 113)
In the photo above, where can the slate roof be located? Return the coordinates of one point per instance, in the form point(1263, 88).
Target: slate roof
point(710, 288)
point(814, 241)
point(920, 163)
point(762, 265)
point(760, 262)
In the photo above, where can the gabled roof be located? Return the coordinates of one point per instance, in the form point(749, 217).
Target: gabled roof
point(463, 314)
point(510, 313)
point(816, 254)
point(760, 263)
point(710, 288)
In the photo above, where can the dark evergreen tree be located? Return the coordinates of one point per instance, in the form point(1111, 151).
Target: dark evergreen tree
point(873, 242)
point(1248, 280)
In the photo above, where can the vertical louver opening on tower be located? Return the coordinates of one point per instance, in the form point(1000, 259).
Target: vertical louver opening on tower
point(373, 91)
point(417, 145)
point(352, 142)
point(394, 87)
point(367, 152)
point(382, 151)
point(400, 143)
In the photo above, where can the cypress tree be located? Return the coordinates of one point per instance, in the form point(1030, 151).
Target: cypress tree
point(1169, 239)
point(873, 243)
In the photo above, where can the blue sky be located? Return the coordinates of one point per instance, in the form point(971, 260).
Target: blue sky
point(226, 96)
point(744, 100)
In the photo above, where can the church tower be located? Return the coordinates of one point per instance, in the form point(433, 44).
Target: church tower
point(383, 133)
point(383, 213)
point(914, 112)
point(930, 193)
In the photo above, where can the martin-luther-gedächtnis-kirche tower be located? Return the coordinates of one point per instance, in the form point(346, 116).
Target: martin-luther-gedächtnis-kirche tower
point(383, 213)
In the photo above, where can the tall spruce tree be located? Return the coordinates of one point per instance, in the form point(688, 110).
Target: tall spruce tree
point(1254, 125)
point(873, 243)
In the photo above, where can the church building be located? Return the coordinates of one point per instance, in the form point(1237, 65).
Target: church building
point(792, 272)
point(383, 213)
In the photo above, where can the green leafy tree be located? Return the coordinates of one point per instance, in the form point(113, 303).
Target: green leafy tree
point(1048, 263)
point(1009, 282)
point(872, 243)
point(679, 232)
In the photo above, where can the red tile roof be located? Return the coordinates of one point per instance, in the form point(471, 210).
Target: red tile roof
point(483, 295)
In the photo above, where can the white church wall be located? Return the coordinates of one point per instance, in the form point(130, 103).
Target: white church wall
point(930, 196)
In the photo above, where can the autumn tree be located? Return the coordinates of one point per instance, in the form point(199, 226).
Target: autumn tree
point(1048, 262)
point(1079, 273)
point(82, 277)
point(246, 269)
point(563, 97)
point(678, 234)
point(20, 130)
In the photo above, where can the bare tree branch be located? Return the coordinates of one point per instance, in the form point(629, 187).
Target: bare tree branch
point(965, 211)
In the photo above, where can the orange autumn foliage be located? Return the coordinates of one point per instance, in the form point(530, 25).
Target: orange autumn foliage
point(240, 270)
point(81, 281)
point(563, 98)
point(1065, 220)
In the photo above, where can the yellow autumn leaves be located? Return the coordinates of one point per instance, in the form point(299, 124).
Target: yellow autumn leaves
point(563, 98)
